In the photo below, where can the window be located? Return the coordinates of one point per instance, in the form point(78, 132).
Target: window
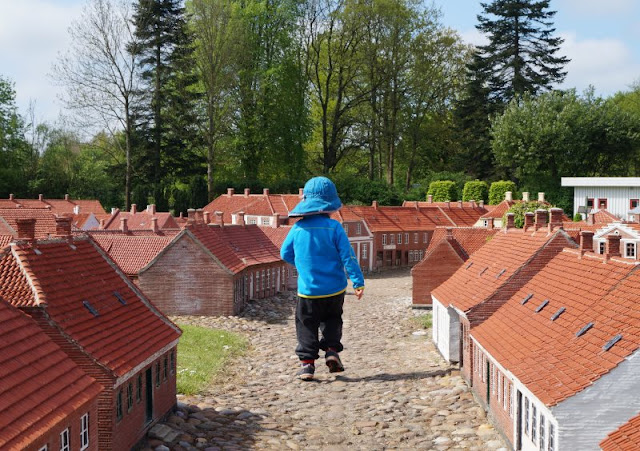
point(364, 251)
point(410, 256)
point(139, 388)
point(252, 221)
point(158, 374)
point(392, 238)
point(590, 204)
point(602, 204)
point(119, 405)
point(505, 392)
point(499, 386)
point(64, 440)
point(526, 415)
point(268, 279)
point(424, 237)
point(345, 226)
point(273, 277)
point(265, 221)
point(129, 397)
point(406, 238)
point(399, 238)
point(493, 378)
point(601, 246)
point(534, 422)
point(420, 255)
point(552, 437)
point(173, 353)
point(541, 431)
point(44, 448)
point(84, 431)
point(384, 239)
point(358, 229)
point(257, 280)
point(511, 404)
point(262, 280)
point(415, 237)
point(633, 203)
point(484, 372)
point(165, 367)
point(630, 249)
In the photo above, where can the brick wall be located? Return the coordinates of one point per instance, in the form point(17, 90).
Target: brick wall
point(401, 251)
point(434, 270)
point(186, 280)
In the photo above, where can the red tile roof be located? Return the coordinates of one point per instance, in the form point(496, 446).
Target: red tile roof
point(276, 235)
point(57, 206)
point(63, 276)
point(5, 239)
point(604, 217)
point(45, 220)
point(253, 204)
point(545, 354)
point(469, 239)
point(39, 385)
point(141, 220)
point(132, 252)
point(625, 438)
point(491, 266)
point(498, 211)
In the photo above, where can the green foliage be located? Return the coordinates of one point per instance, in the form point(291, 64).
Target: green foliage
point(498, 190)
point(203, 355)
point(577, 217)
point(443, 190)
point(424, 321)
point(362, 191)
point(476, 190)
point(520, 208)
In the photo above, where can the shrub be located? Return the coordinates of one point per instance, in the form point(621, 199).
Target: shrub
point(476, 190)
point(443, 190)
point(521, 208)
point(577, 217)
point(497, 190)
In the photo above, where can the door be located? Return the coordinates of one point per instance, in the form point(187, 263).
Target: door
point(518, 440)
point(149, 394)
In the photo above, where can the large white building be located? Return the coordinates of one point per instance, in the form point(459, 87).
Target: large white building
point(617, 195)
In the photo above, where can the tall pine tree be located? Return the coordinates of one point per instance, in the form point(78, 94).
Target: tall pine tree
point(521, 55)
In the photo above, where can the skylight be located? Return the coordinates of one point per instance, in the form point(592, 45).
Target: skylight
point(482, 272)
point(558, 313)
point(90, 307)
point(584, 329)
point(469, 265)
point(37, 251)
point(541, 306)
point(120, 298)
point(612, 342)
point(526, 299)
point(501, 273)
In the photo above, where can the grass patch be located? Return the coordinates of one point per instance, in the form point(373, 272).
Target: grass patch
point(203, 354)
point(422, 321)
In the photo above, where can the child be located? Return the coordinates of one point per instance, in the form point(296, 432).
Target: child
point(320, 250)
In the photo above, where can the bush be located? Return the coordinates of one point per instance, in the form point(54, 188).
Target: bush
point(521, 208)
point(443, 190)
point(497, 190)
point(577, 217)
point(476, 190)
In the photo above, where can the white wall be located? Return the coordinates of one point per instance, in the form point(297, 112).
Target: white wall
point(446, 331)
point(617, 198)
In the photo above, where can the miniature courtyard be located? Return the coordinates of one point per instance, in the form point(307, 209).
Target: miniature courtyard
point(396, 393)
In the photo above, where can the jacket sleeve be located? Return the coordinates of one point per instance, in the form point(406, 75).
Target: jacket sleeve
point(286, 251)
point(349, 258)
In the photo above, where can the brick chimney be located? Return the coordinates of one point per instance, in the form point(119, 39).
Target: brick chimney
point(191, 216)
point(449, 234)
point(555, 217)
point(490, 223)
point(247, 191)
point(240, 217)
point(230, 192)
point(40, 197)
point(151, 209)
point(525, 197)
point(26, 228)
point(374, 204)
point(200, 215)
point(134, 209)
point(76, 209)
point(219, 219)
point(123, 225)
point(460, 204)
point(481, 204)
point(528, 220)
point(63, 226)
point(511, 221)
point(541, 197)
point(114, 211)
point(66, 197)
point(276, 220)
point(300, 192)
point(265, 191)
point(473, 203)
point(447, 204)
point(542, 216)
point(11, 197)
point(591, 218)
point(102, 222)
point(154, 224)
point(207, 217)
point(430, 198)
point(508, 196)
point(612, 248)
point(586, 241)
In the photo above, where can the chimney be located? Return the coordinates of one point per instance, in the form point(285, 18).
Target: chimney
point(542, 216)
point(481, 204)
point(586, 241)
point(151, 209)
point(448, 204)
point(207, 217)
point(230, 192)
point(240, 217)
point(490, 223)
point(134, 209)
point(528, 220)
point(199, 216)
point(247, 191)
point(191, 216)
point(374, 204)
point(473, 203)
point(63, 226)
point(26, 229)
point(300, 192)
point(525, 197)
point(181, 215)
point(460, 204)
point(66, 197)
point(449, 234)
point(219, 219)
point(555, 217)
point(102, 224)
point(508, 196)
point(612, 248)
point(76, 209)
point(265, 191)
point(591, 218)
point(11, 196)
point(430, 198)
point(511, 221)
point(276, 220)
point(114, 210)
point(40, 197)
point(154, 224)
point(541, 197)
point(123, 225)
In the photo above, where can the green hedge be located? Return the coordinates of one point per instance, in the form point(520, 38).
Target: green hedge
point(577, 217)
point(521, 208)
point(476, 190)
point(443, 190)
point(497, 190)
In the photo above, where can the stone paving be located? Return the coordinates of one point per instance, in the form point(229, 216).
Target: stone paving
point(396, 393)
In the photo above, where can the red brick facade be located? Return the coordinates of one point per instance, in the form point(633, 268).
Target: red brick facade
point(73, 425)
point(436, 267)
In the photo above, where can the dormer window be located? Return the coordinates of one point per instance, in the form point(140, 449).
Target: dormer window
point(602, 204)
point(601, 247)
point(630, 250)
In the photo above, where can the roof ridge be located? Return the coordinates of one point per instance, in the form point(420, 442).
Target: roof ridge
point(38, 294)
point(446, 215)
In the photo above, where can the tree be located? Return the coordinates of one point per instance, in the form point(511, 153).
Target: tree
point(100, 76)
point(521, 54)
point(14, 149)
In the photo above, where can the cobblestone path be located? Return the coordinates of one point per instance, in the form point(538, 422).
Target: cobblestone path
point(396, 393)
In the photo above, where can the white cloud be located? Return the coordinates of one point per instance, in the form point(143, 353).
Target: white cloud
point(32, 33)
point(608, 64)
point(596, 8)
point(473, 36)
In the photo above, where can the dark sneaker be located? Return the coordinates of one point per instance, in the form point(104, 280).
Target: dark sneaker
point(333, 362)
point(306, 372)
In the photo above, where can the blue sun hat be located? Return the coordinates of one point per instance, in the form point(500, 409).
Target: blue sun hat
point(318, 196)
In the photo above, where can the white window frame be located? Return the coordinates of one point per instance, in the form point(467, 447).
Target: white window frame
point(384, 239)
point(345, 226)
point(410, 256)
point(420, 255)
point(252, 221)
point(364, 251)
point(44, 448)
point(633, 246)
point(602, 247)
point(65, 442)
point(399, 238)
point(505, 392)
point(526, 416)
point(534, 423)
point(358, 229)
point(266, 221)
point(499, 385)
point(392, 238)
point(84, 431)
point(415, 238)
point(485, 223)
point(406, 238)
point(552, 437)
point(542, 431)
point(424, 237)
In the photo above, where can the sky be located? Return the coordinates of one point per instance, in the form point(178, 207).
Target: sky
point(601, 37)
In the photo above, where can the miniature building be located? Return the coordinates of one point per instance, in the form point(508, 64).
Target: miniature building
point(617, 195)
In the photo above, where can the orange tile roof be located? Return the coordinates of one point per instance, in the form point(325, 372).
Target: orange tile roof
point(5, 239)
point(276, 235)
point(57, 206)
point(498, 211)
point(132, 252)
point(45, 220)
point(40, 386)
point(546, 355)
point(491, 266)
point(62, 276)
point(470, 239)
point(140, 220)
point(625, 438)
point(253, 204)
point(604, 217)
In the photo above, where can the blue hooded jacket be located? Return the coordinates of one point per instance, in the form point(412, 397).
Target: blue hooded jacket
point(320, 250)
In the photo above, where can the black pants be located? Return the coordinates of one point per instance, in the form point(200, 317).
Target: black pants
point(324, 314)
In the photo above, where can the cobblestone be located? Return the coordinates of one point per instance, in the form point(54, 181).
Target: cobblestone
point(396, 393)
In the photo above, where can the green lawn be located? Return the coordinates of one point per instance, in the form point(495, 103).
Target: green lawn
point(203, 354)
point(423, 321)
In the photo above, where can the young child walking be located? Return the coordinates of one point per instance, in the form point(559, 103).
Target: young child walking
point(319, 249)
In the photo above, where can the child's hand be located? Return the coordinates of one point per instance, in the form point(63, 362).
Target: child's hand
point(359, 293)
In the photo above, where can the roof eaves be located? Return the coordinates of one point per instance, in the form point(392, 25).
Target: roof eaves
point(38, 294)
